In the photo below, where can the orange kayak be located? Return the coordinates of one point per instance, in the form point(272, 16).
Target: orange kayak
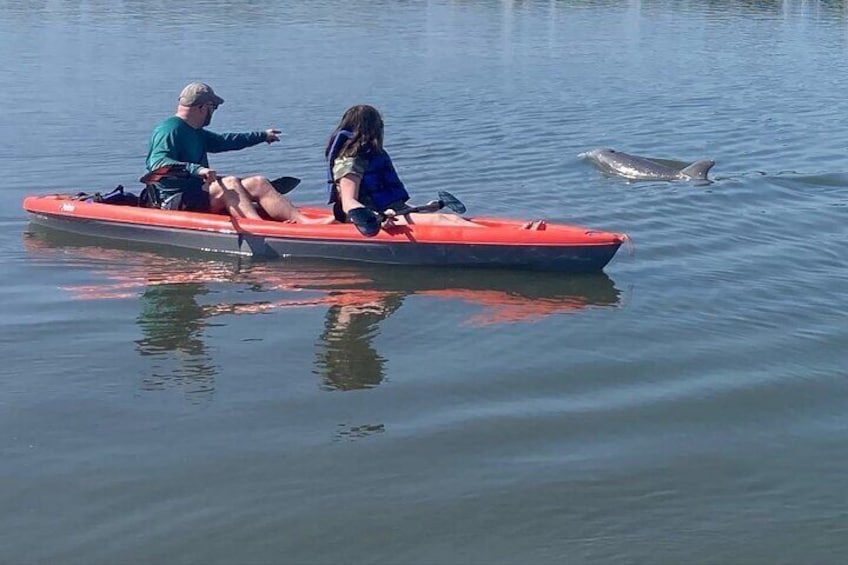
point(501, 244)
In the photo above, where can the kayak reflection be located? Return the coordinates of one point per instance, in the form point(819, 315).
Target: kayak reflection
point(176, 308)
point(346, 358)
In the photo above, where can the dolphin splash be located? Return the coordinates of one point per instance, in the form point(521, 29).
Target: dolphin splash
point(635, 167)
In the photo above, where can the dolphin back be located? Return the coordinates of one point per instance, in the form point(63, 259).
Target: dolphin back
point(633, 167)
point(636, 167)
point(698, 170)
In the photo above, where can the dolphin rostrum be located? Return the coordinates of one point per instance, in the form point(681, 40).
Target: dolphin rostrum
point(635, 167)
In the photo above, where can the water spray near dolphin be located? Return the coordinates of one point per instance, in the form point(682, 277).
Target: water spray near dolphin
point(634, 167)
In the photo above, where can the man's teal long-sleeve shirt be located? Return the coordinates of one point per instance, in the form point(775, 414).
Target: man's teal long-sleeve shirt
point(174, 142)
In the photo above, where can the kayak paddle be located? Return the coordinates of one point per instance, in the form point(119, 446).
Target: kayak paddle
point(368, 222)
point(284, 185)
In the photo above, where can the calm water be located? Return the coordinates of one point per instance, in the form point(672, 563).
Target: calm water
point(690, 405)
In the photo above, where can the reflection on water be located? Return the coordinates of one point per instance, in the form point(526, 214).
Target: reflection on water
point(346, 358)
point(347, 432)
point(172, 323)
point(176, 308)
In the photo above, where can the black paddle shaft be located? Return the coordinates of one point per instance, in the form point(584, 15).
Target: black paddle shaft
point(368, 222)
point(446, 200)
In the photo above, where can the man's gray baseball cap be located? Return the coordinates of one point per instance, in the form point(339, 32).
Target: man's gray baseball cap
point(198, 94)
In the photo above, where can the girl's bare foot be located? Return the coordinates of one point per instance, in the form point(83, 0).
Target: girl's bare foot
point(322, 220)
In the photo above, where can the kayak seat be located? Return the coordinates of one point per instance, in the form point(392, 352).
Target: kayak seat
point(173, 202)
point(150, 198)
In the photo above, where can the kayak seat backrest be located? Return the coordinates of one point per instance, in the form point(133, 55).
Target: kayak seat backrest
point(339, 140)
point(149, 197)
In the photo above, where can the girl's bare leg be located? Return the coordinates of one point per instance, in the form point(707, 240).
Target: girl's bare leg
point(436, 219)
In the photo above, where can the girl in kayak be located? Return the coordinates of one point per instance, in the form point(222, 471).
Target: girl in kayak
point(361, 174)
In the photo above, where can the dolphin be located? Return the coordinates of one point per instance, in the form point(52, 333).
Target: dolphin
point(635, 167)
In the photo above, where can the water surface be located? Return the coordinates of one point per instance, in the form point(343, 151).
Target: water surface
point(685, 406)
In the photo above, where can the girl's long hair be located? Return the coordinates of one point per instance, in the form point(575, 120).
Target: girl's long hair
point(366, 125)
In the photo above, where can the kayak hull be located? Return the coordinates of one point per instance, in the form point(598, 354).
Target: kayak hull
point(501, 245)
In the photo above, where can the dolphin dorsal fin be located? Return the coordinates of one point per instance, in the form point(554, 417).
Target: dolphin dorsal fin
point(698, 170)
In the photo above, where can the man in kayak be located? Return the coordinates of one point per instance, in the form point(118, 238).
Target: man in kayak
point(181, 140)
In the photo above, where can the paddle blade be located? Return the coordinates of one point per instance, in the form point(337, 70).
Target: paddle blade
point(284, 185)
point(451, 202)
point(365, 221)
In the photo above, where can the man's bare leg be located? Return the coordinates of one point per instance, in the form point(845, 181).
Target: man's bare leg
point(275, 204)
point(228, 194)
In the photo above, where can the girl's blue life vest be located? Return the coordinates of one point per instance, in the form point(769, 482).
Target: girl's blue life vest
point(380, 187)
